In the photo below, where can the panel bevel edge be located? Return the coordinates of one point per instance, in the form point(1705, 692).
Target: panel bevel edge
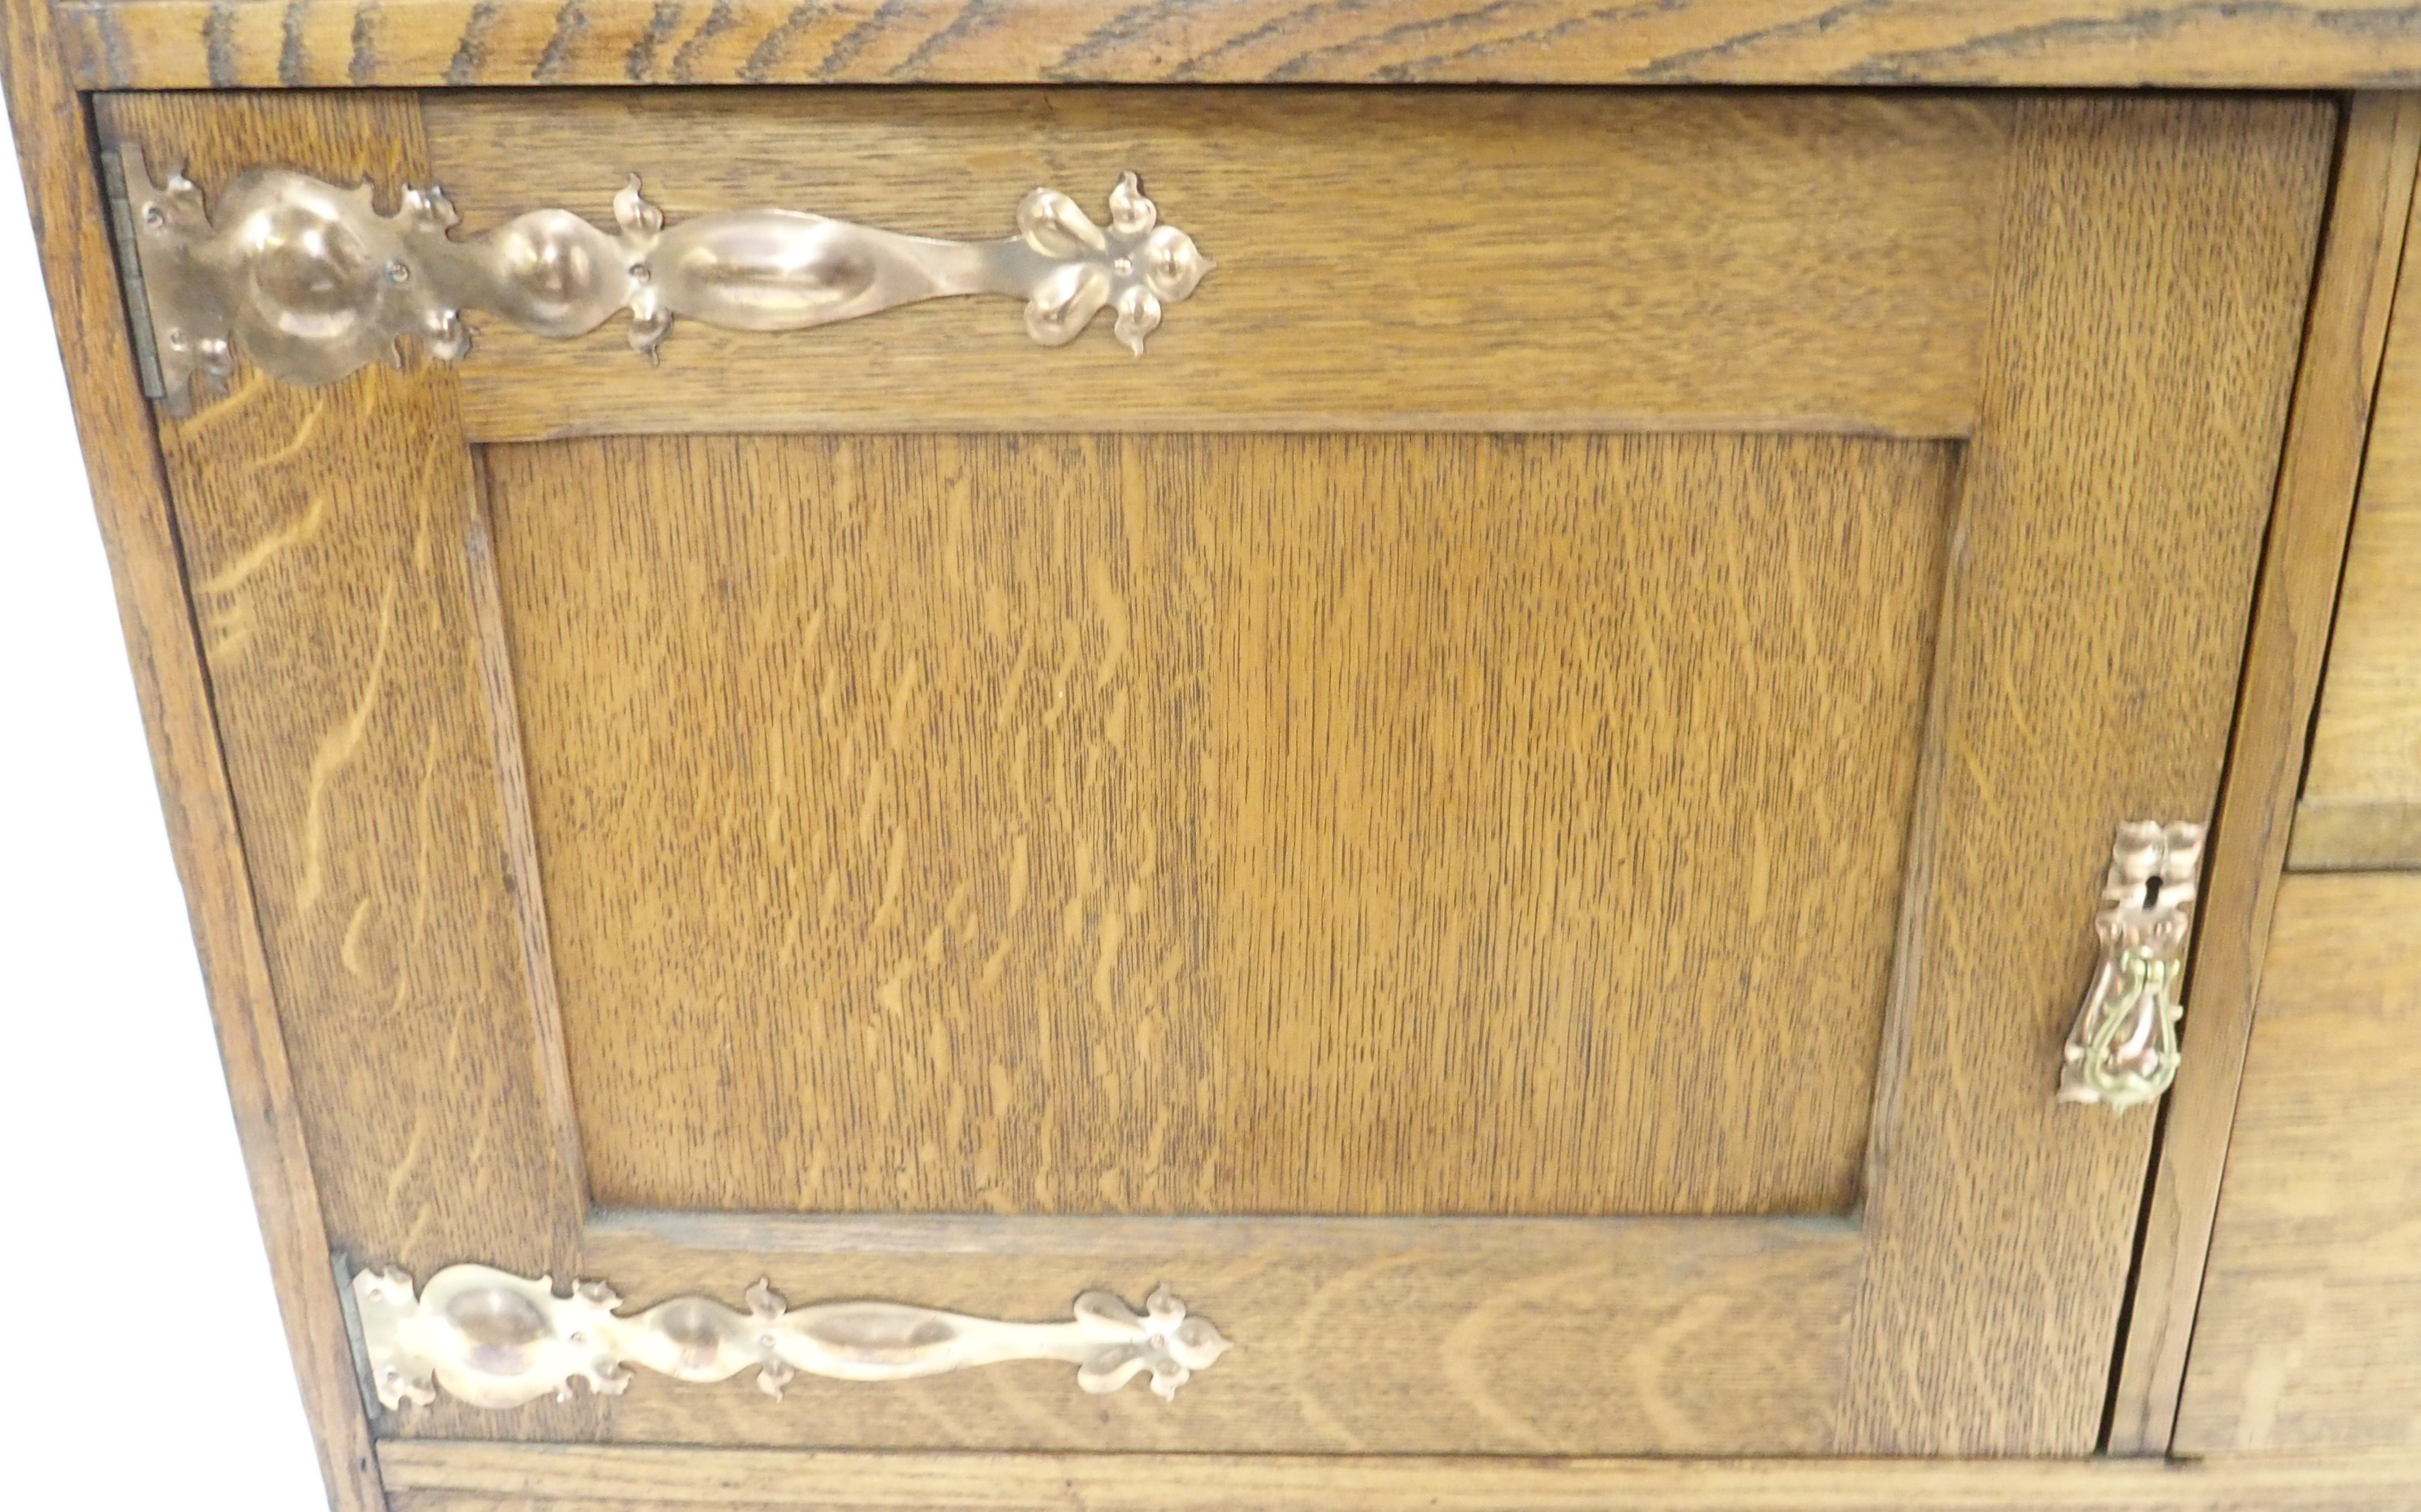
point(524, 878)
point(980, 1234)
point(2320, 467)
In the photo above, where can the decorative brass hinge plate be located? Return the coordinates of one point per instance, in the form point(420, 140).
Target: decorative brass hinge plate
point(495, 1339)
point(311, 282)
point(2123, 1048)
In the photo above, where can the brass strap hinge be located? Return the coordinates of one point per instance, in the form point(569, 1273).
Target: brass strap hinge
point(495, 1339)
point(309, 281)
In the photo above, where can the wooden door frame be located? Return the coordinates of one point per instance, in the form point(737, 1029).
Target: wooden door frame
point(131, 496)
point(347, 520)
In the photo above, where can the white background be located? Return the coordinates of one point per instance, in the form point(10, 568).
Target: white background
point(142, 1363)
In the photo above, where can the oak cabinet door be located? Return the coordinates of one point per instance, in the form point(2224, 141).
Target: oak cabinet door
point(1513, 810)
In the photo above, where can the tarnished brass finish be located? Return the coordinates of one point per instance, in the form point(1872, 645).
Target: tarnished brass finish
point(495, 1339)
point(311, 282)
point(2123, 1047)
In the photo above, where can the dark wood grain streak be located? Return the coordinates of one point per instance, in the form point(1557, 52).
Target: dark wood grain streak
point(2138, 361)
point(363, 61)
point(131, 497)
point(2284, 43)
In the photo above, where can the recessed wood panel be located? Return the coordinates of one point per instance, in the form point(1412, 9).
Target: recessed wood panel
point(1467, 259)
point(1384, 824)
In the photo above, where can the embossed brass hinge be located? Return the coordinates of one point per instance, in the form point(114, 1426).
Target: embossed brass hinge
point(310, 282)
point(495, 1339)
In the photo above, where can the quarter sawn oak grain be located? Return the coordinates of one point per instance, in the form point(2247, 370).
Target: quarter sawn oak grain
point(2157, 254)
point(185, 45)
point(54, 142)
point(2146, 275)
point(326, 536)
point(2310, 1330)
point(1236, 824)
point(1361, 1335)
point(2345, 333)
point(1455, 259)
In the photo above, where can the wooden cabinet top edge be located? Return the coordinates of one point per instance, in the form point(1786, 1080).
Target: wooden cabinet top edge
point(179, 44)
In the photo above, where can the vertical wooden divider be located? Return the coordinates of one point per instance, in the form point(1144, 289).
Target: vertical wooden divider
point(328, 536)
point(2346, 333)
point(2153, 251)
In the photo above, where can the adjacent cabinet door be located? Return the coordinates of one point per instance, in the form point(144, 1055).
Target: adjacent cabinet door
point(1514, 809)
